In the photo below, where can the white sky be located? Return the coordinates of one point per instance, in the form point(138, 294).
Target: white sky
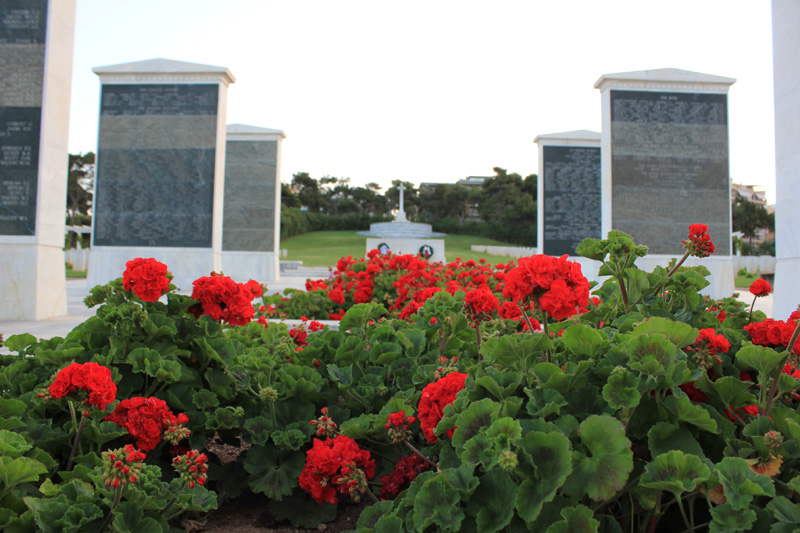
point(433, 90)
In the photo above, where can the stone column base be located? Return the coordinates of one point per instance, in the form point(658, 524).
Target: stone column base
point(33, 285)
point(244, 266)
point(107, 263)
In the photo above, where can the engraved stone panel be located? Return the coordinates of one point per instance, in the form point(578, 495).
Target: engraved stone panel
point(155, 165)
point(23, 21)
point(23, 24)
point(249, 206)
point(572, 197)
point(669, 158)
point(166, 99)
point(154, 198)
point(19, 162)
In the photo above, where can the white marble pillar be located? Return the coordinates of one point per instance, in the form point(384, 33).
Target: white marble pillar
point(36, 47)
point(786, 50)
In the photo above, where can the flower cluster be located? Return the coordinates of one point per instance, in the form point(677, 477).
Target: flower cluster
point(435, 396)
point(191, 467)
point(89, 382)
point(331, 467)
point(774, 333)
point(397, 424)
point(148, 420)
point(557, 284)
point(698, 243)
point(325, 425)
point(706, 346)
point(223, 299)
point(480, 304)
point(760, 287)
point(122, 466)
point(404, 473)
point(147, 278)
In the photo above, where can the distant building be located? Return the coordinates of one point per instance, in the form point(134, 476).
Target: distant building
point(754, 194)
point(473, 181)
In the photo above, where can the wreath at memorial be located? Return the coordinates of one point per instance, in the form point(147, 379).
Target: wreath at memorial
point(426, 251)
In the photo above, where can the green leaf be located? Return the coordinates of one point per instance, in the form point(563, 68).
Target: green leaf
point(688, 412)
point(493, 501)
point(359, 315)
point(727, 391)
point(741, 484)
point(726, 519)
point(413, 340)
point(56, 515)
point(259, 428)
point(611, 461)
point(204, 399)
point(343, 375)
point(270, 478)
point(14, 471)
point(784, 511)
point(548, 454)
point(9, 408)
point(675, 472)
point(292, 439)
point(651, 354)
point(437, 505)
point(582, 340)
point(18, 343)
point(370, 515)
point(621, 391)
point(478, 415)
point(544, 402)
point(13, 444)
point(512, 351)
point(762, 359)
point(678, 333)
point(665, 436)
point(577, 519)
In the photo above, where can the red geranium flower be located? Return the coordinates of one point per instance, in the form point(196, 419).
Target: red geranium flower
point(698, 243)
point(480, 303)
point(404, 473)
point(192, 468)
point(336, 296)
point(435, 396)
point(147, 278)
point(83, 378)
point(223, 299)
point(330, 467)
point(146, 420)
point(760, 287)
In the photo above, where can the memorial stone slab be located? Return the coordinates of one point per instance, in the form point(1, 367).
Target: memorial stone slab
point(251, 214)
point(665, 161)
point(786, 72)
point(36, 45)
point(569, 189)
point(160, 168)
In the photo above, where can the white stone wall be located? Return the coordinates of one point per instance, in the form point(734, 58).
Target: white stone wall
point(786, 50)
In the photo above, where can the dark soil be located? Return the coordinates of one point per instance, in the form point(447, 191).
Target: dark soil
point(249, 514)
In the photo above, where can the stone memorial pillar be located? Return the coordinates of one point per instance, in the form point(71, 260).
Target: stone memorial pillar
point(36, 42)
point(160, 168)
point(569, 194)
point(665, 164)
point(251, 218)
point(786, 50)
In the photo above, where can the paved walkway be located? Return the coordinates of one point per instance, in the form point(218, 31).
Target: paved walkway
point(77, 311)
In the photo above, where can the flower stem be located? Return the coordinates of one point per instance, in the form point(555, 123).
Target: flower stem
point(789, 352)
point(679, 263)
point(416, 451)
point(372, 495)
point(750, 319)
point(478, 338)
point(76, 442)
point(528, 320)
point(117, 498)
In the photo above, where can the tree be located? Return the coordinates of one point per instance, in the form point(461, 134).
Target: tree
point(80, 187)
point(509, 203)
point(308, 191)
point(288, 198)
point(749, 217)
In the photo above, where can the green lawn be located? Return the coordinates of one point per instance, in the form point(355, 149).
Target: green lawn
point(324, 248)
point(75, 273)
point(745, 280)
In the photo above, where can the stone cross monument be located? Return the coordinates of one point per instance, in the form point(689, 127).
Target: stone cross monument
point(401, 213)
